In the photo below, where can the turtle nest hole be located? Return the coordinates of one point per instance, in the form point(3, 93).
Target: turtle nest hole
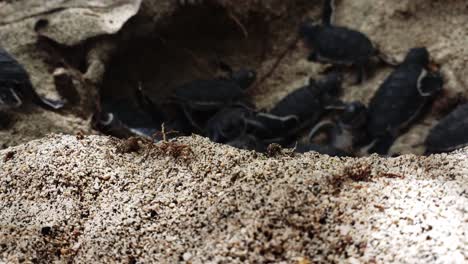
point(191, 42)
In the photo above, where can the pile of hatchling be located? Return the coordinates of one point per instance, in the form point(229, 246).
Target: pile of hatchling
point(222, 110)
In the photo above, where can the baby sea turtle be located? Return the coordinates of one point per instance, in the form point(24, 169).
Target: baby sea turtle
point(401, 99)
point(123, 119)
point(348, 131)
point(337, 45)
point(130, 116)
point(16, 87)
point(174, 119)
point(228, 124)
point(213, 95)
point(301, 108)
point(450, 133)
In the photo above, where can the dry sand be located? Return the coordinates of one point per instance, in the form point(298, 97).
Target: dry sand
point(395, 26)
point(64, 198)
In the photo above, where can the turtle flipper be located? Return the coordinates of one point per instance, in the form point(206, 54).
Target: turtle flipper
point(361, 74)
point(279, 121)
point(190, 118)
point(319, 127)
point(50, 104)
point(313, 57)
point(9, 98)
point(328, 12)
point(431, 84)
point(46, 103)
point(382, 145)
point(145, 102)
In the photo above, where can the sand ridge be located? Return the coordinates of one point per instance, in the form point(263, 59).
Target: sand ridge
point(80, 199)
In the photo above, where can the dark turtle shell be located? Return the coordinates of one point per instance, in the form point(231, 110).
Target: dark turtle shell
point(450, 133)
point(302, 103)
point(266, 126)
point(347, 131)
point(227, 124)
point(11, 70)
point(16, 87)
point(300, 109)
point(337, 45)
point(399, 101)
point(208, 94)
point(308, 102)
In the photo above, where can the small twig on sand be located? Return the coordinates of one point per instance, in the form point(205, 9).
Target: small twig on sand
point(238, 23)
point(282, 55)
point(163, 133)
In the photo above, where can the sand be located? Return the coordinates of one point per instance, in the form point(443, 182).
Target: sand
point(269, 27)
point(83, 200)
point(88, 199)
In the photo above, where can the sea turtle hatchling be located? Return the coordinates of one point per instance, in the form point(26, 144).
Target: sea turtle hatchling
point(300, 109)
point(130, 116)
point(401, 99)
point(228, 124)
point(16, 87)
point(348, 131)
point(450, 133)
point(337, 45)
point(207, 96)
point(123, 119)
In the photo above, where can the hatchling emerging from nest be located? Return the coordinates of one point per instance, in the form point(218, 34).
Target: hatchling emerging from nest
point(338, 45)
point(16, 87)
point(450, 133)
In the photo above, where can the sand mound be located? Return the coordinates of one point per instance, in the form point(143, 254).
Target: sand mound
point(98, 199)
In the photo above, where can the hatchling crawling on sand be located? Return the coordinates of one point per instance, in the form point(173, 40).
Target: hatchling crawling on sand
point(300, 109)
point(228, 124)
point(201, 97)
point(340, 46)
point(401, 99)
point(16, 87)
point(450, 133)
point(348, 131)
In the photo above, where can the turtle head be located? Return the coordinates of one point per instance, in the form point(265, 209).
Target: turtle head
point(309, 28)
point(244, 78)
point(330, 84)
point(354, 114)
point(432, 84)
point(418, 56)
point(308, 31)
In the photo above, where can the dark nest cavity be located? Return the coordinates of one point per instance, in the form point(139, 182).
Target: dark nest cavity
point(191, 75)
